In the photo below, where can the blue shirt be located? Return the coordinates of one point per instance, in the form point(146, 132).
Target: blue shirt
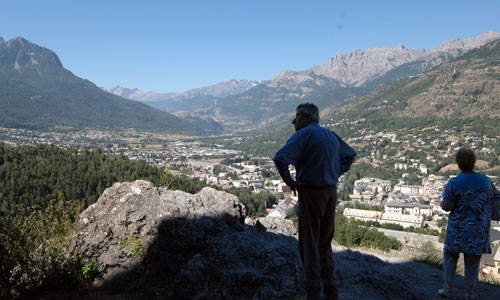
point(469, 221)
point(319, 155)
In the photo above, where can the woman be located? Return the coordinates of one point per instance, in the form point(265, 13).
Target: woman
point(468, 196)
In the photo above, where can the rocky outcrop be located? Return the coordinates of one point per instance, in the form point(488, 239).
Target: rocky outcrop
point(171, 244)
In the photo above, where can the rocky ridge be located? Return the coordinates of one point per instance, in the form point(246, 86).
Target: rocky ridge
point(18, 54)
point(358, 67)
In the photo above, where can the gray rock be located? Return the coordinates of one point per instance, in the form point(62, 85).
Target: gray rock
point(171, 244)
point(277, 225)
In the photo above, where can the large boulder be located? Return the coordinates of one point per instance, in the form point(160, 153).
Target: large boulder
point(156, 243)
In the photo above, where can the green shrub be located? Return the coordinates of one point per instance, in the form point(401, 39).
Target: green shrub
point(32, 249)
point(430, 254)
point(90, 270)
point(133, 245)
point(350, 234)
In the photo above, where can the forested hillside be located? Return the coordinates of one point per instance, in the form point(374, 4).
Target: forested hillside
point(35, 175)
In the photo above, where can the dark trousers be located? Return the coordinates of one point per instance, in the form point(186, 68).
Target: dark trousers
point(316, 229)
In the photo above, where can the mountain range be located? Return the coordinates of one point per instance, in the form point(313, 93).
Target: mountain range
point(38, 92)
point(343, 77)
point(268, 104)
point(189, 100)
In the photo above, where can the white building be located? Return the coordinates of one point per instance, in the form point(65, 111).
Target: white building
point(385, 217)
point(362, 214)
point(403, 220)
point(413, 209)
point(406, 189)
point(400, 166)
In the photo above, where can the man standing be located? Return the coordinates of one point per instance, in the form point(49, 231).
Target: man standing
point(320, 156)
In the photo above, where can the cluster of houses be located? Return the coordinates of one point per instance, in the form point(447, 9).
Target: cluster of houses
point(402, 198)
point(241, 176)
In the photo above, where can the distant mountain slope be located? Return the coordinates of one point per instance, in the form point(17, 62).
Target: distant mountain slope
point(37, 92)
point(464, 91)
point(189, 100)
point(136, 94)
point(343, 77)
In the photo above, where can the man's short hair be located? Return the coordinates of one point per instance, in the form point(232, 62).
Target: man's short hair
point(310, 110)
point(466, 159)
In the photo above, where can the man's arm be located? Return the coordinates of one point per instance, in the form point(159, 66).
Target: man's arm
point(285, 174)
point(347, 155)
point(289, 154)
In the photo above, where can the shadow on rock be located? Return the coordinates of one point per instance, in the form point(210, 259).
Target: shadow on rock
point(212, 258)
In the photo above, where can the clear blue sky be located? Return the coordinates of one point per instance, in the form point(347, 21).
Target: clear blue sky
point(167, 46)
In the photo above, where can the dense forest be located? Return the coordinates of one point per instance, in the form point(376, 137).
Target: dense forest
point(35, 175)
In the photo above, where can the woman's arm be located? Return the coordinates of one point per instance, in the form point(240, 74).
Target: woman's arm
point(448, 202)
point(447, 205)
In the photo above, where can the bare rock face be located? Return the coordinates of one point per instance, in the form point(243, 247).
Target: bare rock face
point(159, 244)
point(275, 225)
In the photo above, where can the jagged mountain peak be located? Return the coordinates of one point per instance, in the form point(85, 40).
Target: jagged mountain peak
point(21, 55)
point(470, 43)
point(360, 66)
point(122, 91)
point(459, 92)
point(189, 100)
point(400, 46)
